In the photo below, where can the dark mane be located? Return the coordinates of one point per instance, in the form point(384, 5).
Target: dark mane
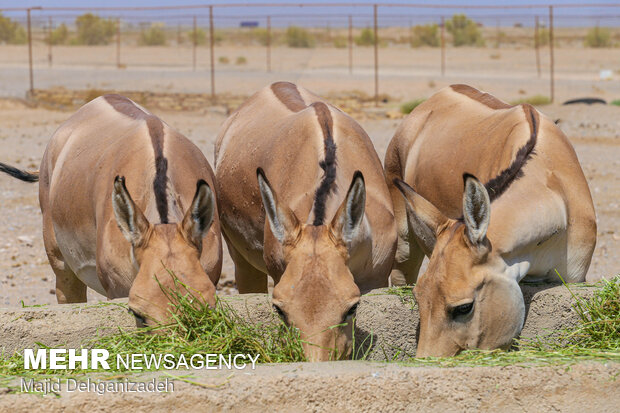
point(501, 182)
point(328, 164)
point(156, 131)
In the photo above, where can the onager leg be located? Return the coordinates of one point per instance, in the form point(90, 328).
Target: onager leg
point(69, 288)
point(248, 278)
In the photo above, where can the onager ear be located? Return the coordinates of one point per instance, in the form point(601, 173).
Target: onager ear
point(129, 218)
point(424, 218)
point(476, 209)
point(282, 220)
point(199, 216)
point(350, 214)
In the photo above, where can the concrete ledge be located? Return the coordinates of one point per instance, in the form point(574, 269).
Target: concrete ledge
point(386, 323)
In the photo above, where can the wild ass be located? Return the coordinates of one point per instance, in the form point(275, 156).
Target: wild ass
point(98, 235)
point(533, 214)
point(329, 234)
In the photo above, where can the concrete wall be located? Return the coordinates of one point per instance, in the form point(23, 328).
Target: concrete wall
point(386, 323)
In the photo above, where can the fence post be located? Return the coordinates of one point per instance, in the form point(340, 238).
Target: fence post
point(211, 36)
point(350, 44)
point(551, 57)
point(376, 57)
point(30, 53)
point(537, 47)
point(443, 47)
point(194, 42)
point(49, 41)
point(268, 41)
point(118, 42)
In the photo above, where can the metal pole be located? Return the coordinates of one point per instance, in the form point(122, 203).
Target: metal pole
point(551, 56)
point(49, 41)
point(376, 57)
point(268, 40)
point(537, 47)
point(30, 54)
point(178, 34)
point(118, 42)
point(443, 47)
point(211, 36)
point(350, 44)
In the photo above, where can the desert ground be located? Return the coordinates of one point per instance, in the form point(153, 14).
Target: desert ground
point(404, 73)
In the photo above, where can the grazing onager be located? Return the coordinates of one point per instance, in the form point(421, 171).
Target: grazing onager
point(532, 216)
point(329, 231)
point(125, 198)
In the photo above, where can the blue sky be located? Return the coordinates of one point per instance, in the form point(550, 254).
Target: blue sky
point(337, 16)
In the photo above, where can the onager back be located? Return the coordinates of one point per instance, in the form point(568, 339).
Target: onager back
point(493, 194)
point(303, 198)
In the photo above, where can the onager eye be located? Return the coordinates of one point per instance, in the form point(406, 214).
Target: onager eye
point(351, 313)
point(462, 310)
point(280, 313)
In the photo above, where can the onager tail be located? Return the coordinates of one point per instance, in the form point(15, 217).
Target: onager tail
point(19, 174)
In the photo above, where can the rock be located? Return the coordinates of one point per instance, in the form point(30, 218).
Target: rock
point(25, 240)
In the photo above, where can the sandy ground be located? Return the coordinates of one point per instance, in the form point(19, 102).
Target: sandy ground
point(25, 274)
point(404, 73)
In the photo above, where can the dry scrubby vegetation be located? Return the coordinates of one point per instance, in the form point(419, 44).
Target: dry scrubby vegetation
point(11, 32)
point(198, 329)
point(91, 29)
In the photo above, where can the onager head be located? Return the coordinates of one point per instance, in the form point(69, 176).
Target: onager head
point(466, 299)
point(316, 291)
point(157, 249)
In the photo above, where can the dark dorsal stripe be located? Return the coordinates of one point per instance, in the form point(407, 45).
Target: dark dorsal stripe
point(288, 94)
point(156, 131)
point(328, 164)
point(501, 182)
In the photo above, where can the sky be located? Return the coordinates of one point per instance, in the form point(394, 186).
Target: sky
point(336, 16)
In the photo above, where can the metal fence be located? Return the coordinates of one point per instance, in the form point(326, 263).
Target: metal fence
point(336, 25)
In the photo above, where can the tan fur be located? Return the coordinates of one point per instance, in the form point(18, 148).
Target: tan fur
point(82, 238)
point(318, 277)
point(543, 220)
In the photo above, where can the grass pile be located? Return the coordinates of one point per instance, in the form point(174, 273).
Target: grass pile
point(195, 329)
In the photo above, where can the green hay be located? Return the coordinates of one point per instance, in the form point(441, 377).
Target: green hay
point(195, 328)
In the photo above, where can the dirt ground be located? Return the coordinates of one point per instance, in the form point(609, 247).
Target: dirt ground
point(404, 73)
point(25, 274)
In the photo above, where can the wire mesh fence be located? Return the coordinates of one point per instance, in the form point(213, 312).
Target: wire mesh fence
point(377, 48)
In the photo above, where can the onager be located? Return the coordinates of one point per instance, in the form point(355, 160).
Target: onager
point(125, 198)
point(303, 198)
point(532, 216)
